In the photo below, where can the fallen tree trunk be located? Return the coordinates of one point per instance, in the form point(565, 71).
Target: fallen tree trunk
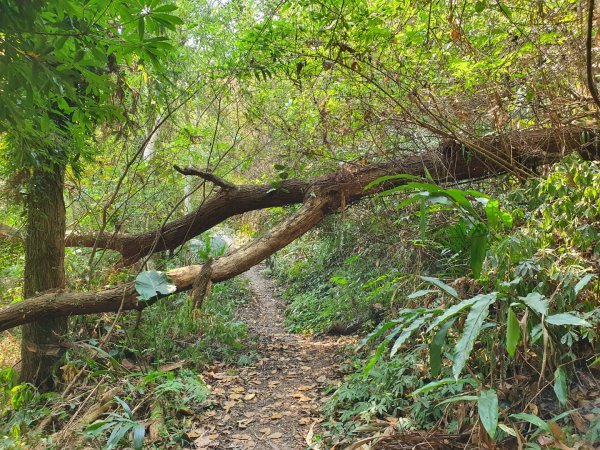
point(320, 197)
point(124, 297)
point(452, 161)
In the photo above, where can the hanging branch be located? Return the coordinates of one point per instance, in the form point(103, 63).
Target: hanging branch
point(588, 54)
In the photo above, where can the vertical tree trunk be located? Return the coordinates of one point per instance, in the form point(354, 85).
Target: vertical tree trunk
point(44, 269)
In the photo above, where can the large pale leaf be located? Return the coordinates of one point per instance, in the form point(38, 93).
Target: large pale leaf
point(536, 302)
point(151, 283)
point(477, 315)
point(487, 404)
point(567, 319)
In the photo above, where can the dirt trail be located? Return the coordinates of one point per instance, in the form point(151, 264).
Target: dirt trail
point(276, 402)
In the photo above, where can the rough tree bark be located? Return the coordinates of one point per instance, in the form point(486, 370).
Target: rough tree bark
point(44, 271)
point(320, 197)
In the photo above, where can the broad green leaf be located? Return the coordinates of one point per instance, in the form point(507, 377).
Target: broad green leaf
point(138, 436)
point(480, 6)
point(477, 315)
point(492, 213)
point(120, 430)
point(478, 249)
point(443, 286)
point(513, 332)
point(567, 319)
point(560, 385)
point(536, 302)
point(487, 405)
point(534, 420)
point(435, 348)
point(152, 283)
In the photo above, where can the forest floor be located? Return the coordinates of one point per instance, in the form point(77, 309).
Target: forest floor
point(275, 403)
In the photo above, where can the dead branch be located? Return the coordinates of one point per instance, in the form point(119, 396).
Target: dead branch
point(208, 176)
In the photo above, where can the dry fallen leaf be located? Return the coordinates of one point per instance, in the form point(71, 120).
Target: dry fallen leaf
point(276, 416)
point(241, 437)
point(249, 397)
point(276, 435)
point(171, 366)
point(305, 388)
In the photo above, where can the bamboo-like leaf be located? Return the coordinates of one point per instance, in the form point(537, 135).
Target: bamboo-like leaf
point(478, 249)
point(380, 349)
point(378, 331)
point(479, 312)
point(583, 283)
point(458, 398)
point(534, 420)
point(389, 178)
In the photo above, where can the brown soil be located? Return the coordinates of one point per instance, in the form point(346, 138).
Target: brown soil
point(276, 402)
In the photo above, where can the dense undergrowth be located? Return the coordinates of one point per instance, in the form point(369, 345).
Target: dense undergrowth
point(483, 314)
point(149, 364)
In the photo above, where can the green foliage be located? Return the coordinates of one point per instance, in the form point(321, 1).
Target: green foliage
point(487, 405)
point(173, 328)
point(337, 291)
point(60, 67)
point(536, 293)
point(20, 406)
point(119, 425)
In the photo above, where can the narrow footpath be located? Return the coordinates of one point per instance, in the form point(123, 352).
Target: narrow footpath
point(275, 403)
